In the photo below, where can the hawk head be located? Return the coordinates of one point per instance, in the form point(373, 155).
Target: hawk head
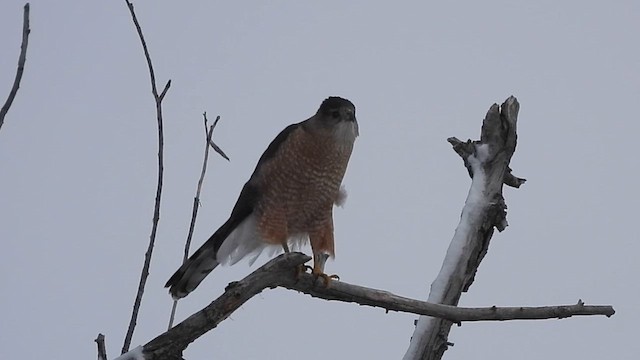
point(338, 115)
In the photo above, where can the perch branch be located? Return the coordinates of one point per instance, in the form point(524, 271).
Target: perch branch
point(196, 199)
point(282, 271)
point(156, 212)
point(21, 60)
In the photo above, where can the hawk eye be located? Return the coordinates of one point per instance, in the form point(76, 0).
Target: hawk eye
point(335, 114)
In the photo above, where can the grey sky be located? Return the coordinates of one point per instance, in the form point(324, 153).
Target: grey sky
point(78, 167)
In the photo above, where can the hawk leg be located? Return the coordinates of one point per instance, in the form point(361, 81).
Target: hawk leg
point(318, 269)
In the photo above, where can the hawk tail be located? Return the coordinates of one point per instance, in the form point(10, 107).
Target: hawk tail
point(192, 272)
point(198, 266)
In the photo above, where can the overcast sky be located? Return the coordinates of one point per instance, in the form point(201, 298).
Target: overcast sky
point(78, 168)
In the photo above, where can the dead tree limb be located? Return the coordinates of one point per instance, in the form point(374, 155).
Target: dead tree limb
point(487, 162)
point(156, 212)
point(283, 272)
point(102, 348)
point(21, 60)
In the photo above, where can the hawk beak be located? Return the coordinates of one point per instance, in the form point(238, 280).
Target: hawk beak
point(351, 116)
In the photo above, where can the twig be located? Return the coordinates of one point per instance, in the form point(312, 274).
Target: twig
point(282, 271)
point(102, 348)
point(21, 60)
point(156, 212)
point(196, 201)
point(213, 145)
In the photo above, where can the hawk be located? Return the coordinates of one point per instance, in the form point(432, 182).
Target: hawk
point(288, 199)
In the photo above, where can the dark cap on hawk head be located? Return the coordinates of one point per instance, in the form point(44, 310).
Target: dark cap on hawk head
point(288, 199)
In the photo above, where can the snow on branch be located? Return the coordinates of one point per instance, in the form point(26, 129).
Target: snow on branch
point(133, 354)
point(283, 272)
point(487, 162)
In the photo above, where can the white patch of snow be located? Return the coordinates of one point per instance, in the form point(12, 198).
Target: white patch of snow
point(475, 203)
point(482, 152)
point(134, 354)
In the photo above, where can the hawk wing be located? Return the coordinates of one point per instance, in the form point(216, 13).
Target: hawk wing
point(237, 236)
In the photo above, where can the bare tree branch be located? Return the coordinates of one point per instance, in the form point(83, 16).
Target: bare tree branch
point(283, 271)
point(196, 201)
point(102, 348)
point(21, 60)
point(487, 161)
point(156, 212)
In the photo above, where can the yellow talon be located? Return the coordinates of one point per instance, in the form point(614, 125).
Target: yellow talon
point(319, 260)
point(302, 269)
point(327, 278)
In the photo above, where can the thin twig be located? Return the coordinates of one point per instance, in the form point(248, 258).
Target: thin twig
point(21, 60)
point(102, 348)
point(213, 145)
point(283, 271)
point(196, 202)
point(156, 212)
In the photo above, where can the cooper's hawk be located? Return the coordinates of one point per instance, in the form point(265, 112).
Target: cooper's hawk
point(287, 201)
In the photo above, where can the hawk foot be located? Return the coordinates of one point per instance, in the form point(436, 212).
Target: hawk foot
point(327, 278)
point(301, 269)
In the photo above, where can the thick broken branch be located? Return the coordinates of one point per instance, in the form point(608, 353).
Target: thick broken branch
point(102, 348)
point(283, 271)
point(487, 162)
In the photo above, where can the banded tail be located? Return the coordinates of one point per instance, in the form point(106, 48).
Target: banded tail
point(206, 258)
point(201, 262)
point(196, 268)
